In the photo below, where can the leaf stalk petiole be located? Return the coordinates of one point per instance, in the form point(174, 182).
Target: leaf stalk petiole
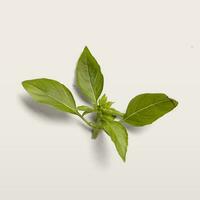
point(86, 121)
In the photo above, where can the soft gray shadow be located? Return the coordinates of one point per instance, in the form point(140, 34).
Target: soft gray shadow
point(84, 126)
point(100, 150)
point(99, 146)
point(135, 129)
point(42, 110)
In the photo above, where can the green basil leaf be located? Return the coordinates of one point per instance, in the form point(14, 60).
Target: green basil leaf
point(97, 129)
point(118, 135)
point(52, 93)
point(89, 77)
point(85, 108)
point(108, 117)
point(112, 111)
point(146, 108)
point(95, 132)
point(103, 100)
point(108, 104)
point(86, 112)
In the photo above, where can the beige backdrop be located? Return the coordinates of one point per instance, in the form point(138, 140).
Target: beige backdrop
point(142, 46)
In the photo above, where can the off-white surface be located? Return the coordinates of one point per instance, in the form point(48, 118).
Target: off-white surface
point(142, 46)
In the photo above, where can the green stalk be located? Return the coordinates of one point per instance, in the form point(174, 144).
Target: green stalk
point(86, 121)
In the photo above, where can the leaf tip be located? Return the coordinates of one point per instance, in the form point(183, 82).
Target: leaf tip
point(24, 84)
point(86, 48)
point(175, 103)
point(124, 158)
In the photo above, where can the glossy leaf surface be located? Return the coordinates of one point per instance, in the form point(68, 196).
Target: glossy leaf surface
point(146, 108)
point(88, 76)
point(52, 93)
point(118, 135)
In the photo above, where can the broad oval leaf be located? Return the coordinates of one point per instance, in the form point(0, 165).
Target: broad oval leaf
point(118, 135)
point(52, 93)
point(88, 76)
point(146, 108)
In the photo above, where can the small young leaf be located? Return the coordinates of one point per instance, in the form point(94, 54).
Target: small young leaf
point(103, 100)
point(112, 111)
point(108, 117)
point(86, 112)
point(108, 104)
point(146, 108)
point(97, 129)
point(95, 132)
point(85, 108)
point(119, 136)
point(51, 92)
point(88, 76)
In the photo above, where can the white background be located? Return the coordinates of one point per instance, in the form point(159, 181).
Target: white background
point(142, 46)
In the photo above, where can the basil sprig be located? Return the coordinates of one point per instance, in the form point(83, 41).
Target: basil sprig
point(142, 110)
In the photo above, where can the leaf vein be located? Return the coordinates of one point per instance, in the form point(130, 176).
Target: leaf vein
point(151, 105)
